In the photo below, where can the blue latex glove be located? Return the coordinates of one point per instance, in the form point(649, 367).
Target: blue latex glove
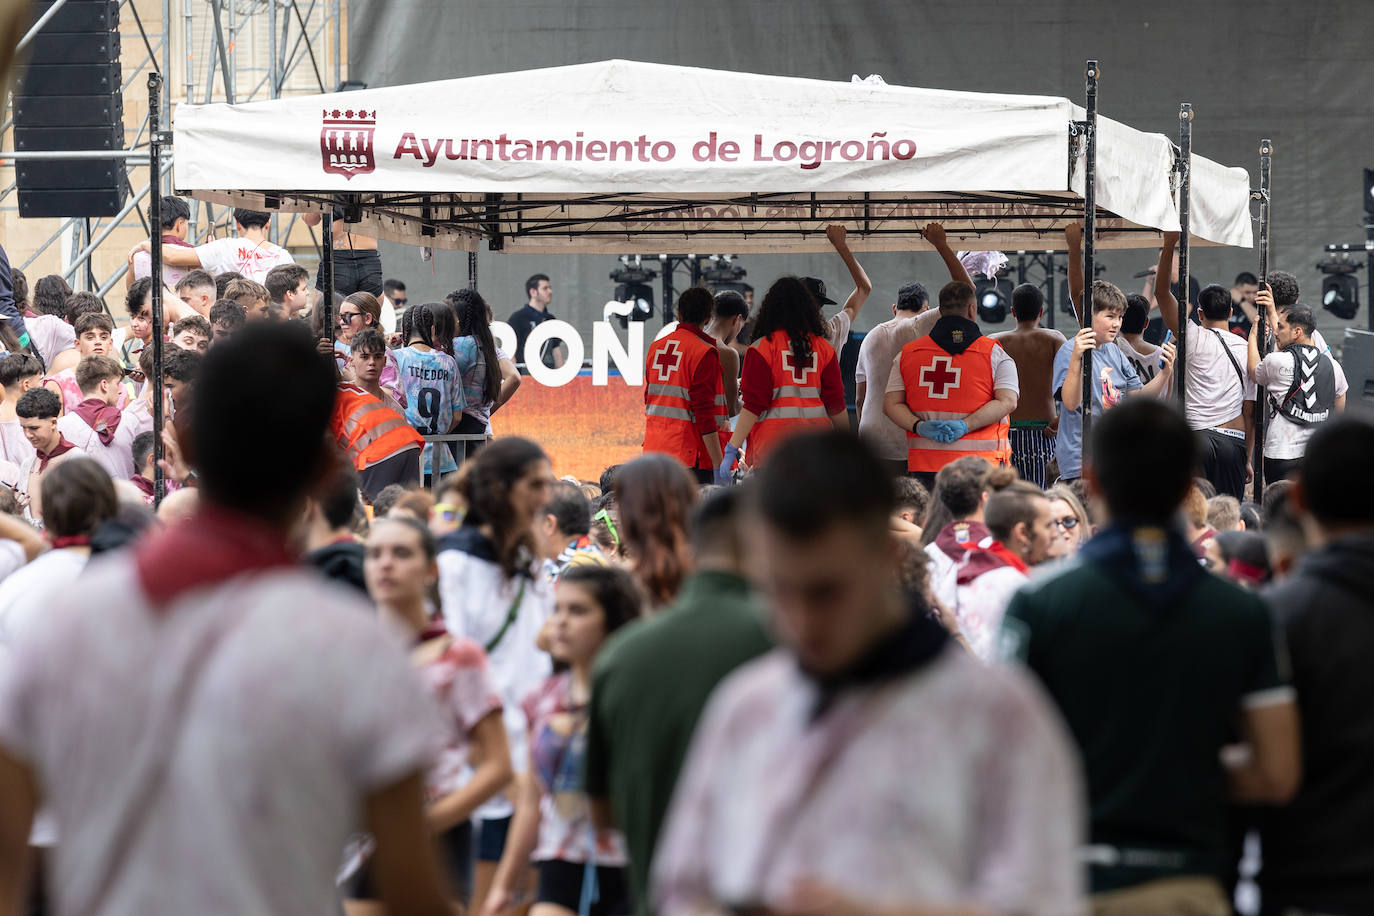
point(725, 475)
point(930, 429)
point(954, 429)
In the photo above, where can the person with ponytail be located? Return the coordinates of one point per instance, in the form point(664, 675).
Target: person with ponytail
point(429, 377)
point(655, 495)
point(491, 592)
point(791, 381)
point(478, 364)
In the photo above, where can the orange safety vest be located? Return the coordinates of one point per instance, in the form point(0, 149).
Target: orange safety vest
point(944, 387)
point(670, 426)
point(797, 406)
point(368, 430)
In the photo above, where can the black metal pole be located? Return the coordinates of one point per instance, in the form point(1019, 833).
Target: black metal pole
point(668, 289)
point(1261, 402)
point(1185, 181)
point(155, 238)
point(331, 324)
point(472, 270)
point(1089, 237)
point(1053, 304)
point(1369, 269)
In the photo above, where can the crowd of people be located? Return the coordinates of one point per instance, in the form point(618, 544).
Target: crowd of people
point(952, 661)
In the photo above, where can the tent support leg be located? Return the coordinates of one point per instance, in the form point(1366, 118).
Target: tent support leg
point(472, 270)
point(1089, 240)
point(331, 324)
point(1261, 401)
point(1185, 183)
point(155, 238)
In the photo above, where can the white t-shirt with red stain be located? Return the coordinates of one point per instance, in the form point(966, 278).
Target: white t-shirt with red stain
point(250, 258)
point(304, 706)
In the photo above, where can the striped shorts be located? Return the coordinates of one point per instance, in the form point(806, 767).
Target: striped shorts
point(1031, 450)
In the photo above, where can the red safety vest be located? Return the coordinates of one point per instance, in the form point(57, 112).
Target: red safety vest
point(944, 387)
point(670, 426)
point(368, 430)
point(797, 406)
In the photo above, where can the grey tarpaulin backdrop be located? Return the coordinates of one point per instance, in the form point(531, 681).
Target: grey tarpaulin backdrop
point(1301, 73)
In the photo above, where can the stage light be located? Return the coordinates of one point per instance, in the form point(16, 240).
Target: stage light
point(994, 298)
point(1341, 295)
point(632, 285)
point(1340, 286)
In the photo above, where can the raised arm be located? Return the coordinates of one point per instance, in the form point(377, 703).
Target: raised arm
point(1164, 292)
point(862, 285)
point(172, 255)
point(1263, 299)
point(1073, 236)
point(935, 235)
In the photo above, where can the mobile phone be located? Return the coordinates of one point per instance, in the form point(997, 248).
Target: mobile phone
point(1168, 339)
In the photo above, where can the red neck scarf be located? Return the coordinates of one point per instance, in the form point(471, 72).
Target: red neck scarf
point(986, 559)
point(957, 538)
point(61, 448)
point(168, 239)
point(77, 540)
point(102, 418)
point(213, 546)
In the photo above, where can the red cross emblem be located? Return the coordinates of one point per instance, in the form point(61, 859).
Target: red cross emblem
point(798, 374)
point(939, 377)
point(667, 360)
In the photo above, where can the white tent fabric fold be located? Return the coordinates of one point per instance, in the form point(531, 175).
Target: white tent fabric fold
point(605, 157)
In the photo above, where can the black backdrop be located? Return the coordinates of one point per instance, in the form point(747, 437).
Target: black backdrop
point(1301, 73)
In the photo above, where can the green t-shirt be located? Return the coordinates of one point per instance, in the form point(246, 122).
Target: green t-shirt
point(650, 684)
point(1151, 698)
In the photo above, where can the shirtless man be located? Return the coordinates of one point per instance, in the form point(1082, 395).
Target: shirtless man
point(1034, 422)
point(727, 317)
point(357, 264)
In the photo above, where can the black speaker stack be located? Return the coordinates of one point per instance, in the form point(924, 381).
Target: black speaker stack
point(69, 98)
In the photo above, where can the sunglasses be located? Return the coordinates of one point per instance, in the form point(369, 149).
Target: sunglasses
point(399, 302)
point(346, 317)
point(604, 516)
point(1068, 523)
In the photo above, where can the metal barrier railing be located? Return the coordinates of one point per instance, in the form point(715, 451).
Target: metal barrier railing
point(446, 438)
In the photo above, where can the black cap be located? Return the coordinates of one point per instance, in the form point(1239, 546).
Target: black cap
point(817, 288)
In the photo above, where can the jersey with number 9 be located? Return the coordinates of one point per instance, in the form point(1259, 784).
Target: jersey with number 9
point(434, 397)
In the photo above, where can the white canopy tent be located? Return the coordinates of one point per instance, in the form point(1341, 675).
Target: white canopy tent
point(607, 157)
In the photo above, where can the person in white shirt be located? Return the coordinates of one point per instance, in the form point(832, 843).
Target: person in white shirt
point(95, 426)
point(1219, 398)
point(18, 373)
point(19, 544)
point(1305, 386)
point(250, 253)
point(868, 765)
point(38, 410)
point(209, 722)
point(954, 524)
point(491, 592)
point(176, 222)
point(1022, 526)
point(1145, 358)
point(394, 300)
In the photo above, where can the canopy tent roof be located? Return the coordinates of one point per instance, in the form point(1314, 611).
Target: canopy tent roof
point(606, 157)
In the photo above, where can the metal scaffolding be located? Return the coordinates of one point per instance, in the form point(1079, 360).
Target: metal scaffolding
point(211, 51)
